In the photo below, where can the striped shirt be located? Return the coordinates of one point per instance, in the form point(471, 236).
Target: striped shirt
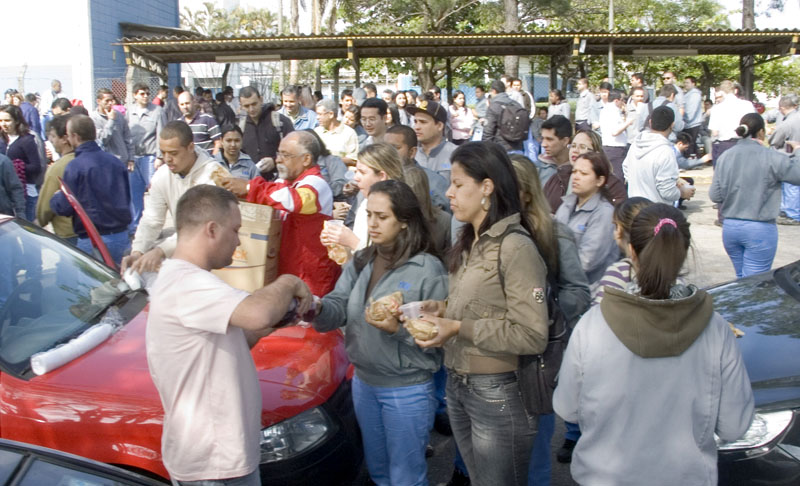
point(618, 275)
point(205, 130)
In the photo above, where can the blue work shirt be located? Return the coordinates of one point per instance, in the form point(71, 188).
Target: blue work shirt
point(244, 168)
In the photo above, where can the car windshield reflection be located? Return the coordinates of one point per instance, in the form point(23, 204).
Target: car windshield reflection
point(49, 293)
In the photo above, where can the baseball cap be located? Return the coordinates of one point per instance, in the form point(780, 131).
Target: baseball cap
point(430, 108)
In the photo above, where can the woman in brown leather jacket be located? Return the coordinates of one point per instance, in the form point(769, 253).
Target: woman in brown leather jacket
point(495, 312)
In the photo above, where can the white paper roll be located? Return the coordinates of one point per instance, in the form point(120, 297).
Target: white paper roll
point(51, 359)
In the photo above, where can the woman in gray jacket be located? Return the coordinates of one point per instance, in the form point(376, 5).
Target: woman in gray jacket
point(393, 391)
point(747, 186)
point(652, 374)
point(589, 215)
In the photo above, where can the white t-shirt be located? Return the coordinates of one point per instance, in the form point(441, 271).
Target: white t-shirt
point(727, 115)
point(205, 375)
point(611, 121)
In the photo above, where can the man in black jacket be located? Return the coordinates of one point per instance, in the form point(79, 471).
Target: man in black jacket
point(491, 131)
point(263, 129)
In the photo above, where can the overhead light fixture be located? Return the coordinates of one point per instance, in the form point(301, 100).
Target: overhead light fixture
point(665, 52)
point(249, 58)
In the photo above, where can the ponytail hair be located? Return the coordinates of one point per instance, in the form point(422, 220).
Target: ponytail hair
point(660, 239)
point(750, 124)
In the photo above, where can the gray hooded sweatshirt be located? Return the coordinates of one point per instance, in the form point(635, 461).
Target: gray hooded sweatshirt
point(650, 382)
point(651, 169)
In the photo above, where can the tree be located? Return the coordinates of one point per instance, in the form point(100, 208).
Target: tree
point(218, 22)
point(423, 16)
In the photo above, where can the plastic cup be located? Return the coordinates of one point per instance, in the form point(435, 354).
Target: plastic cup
point(412, 310)
point(332, 222)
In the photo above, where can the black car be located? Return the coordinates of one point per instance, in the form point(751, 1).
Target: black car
point(767, 308)
point(29, 465)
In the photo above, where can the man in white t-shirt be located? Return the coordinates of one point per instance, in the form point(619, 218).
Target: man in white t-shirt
point(199, 332)
point(613, 125)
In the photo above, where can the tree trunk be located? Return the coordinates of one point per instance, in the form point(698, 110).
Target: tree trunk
point(511, 24)
point(425, 73)
point(294, 64)
point(747, 63)
point(225, 74)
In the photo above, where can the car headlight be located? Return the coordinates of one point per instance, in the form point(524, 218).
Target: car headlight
point(295, 435)
point(766, 426)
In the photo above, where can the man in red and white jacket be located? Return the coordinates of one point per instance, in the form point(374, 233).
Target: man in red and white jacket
point(305, 201)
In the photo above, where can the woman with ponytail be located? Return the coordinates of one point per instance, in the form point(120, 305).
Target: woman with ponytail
point(650, 363)
point(747, 186)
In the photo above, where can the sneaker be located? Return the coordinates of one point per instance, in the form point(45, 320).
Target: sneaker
point(715, 206)
point(441, 423)
point(717, 223)
point(459, 479)
point(564, 455)
point(788, 221)
point(783, 214)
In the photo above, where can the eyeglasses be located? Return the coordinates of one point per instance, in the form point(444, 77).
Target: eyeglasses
point(666, 78)
point(284, 155)
point(582, 147)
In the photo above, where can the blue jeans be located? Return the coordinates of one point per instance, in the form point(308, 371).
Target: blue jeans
point(573, 431)
point(252, 479)
point(540, 466)
point(117, 244)
point(790, 200)
point(751, 245)
point(440, 386)
point(492, 429)
point(140, 180)
point(395, 427)
point(30, 207)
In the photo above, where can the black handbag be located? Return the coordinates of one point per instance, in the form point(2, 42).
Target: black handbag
point(538, 373)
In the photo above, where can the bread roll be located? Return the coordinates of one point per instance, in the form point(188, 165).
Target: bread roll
point(385, 307)
point(422, 330)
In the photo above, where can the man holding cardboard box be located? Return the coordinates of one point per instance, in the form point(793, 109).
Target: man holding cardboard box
point(185, 166)
point(306, 201)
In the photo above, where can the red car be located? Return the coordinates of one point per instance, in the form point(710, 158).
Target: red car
point(103, 404)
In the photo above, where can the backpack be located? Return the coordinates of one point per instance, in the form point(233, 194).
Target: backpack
point(538, 373)
point(19, 168)
point(514, 122)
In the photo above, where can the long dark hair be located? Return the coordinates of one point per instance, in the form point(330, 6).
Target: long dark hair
point(20, 125)
point(625, 213)
point(487, 160)
point(416, 238)
point(660, 238)
point(750, 125)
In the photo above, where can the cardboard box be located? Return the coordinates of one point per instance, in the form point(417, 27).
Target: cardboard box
point(255, 261)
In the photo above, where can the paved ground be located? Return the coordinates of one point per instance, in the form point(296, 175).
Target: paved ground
point(708, 265)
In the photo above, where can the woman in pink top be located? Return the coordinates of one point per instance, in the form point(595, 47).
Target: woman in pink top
point(461, 118)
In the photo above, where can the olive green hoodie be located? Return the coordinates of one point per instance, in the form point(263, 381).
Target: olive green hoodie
point(657, 328)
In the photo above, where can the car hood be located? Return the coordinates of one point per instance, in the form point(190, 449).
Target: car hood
point(766, 308)
point(298, 368)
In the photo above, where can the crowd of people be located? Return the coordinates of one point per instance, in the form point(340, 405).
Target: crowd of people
point(491, 216)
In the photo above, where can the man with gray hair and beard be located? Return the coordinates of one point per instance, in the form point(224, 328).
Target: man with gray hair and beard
point(305, 202)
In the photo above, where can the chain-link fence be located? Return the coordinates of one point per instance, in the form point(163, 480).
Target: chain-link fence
point(120, 90)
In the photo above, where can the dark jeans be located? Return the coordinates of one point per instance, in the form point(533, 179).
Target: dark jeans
point(252, 479)
point(492, 429)
point(694, 132)
point(616, 155)
point(718, 148)
point(582, 125)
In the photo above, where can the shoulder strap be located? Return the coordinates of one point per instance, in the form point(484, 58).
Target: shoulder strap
point(277, 122)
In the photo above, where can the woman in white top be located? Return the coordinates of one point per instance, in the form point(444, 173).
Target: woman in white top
point(558, 105)
point(377, 162)
point(461, 118)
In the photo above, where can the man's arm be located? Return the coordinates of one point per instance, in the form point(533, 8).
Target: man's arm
point(258, 313)
point(104, 127)
point(490, 129)
point(301, 200)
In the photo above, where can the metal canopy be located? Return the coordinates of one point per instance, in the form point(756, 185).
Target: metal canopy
point(185, 47)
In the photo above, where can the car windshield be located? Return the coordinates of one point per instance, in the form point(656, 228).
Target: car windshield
point(49, 293)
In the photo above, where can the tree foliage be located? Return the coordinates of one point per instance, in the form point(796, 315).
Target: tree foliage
point(239, 22)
